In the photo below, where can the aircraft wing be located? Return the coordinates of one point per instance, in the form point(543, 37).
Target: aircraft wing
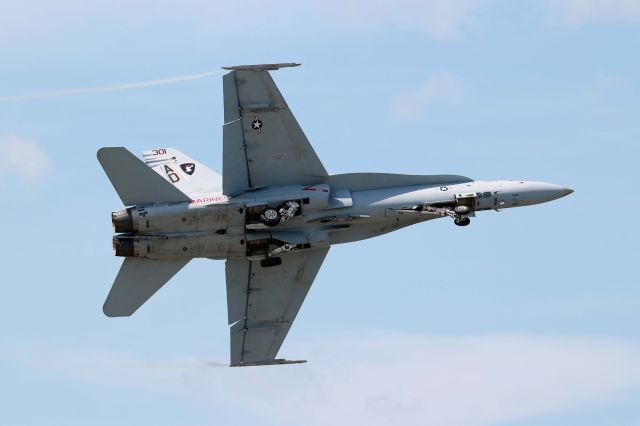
point(263, 144)
point(263, 302)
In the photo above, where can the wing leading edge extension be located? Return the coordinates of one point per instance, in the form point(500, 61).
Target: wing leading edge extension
point(262, 304)
point(263, 144)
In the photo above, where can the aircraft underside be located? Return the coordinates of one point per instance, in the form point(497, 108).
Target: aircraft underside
point(269, 224)
point(273, 214)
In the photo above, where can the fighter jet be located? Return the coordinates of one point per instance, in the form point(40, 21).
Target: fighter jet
point(272, 215)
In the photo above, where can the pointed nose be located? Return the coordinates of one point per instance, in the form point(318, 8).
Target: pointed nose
point(566, 191)
point(541, 192)
point(550, 192)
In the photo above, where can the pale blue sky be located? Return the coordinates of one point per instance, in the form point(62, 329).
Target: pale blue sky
point(527, 317)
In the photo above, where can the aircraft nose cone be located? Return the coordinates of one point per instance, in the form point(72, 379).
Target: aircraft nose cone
point(566, 191)
point(541, 192)
point(550, 192)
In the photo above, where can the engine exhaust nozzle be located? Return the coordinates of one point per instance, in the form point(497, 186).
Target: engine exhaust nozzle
point(122, 221)
point(125, 247)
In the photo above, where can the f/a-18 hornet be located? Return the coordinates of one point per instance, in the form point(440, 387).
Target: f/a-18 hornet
point(273, 214)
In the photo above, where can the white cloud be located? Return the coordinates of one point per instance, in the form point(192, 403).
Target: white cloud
point(23, 159)
point(391, 378)
point(439, 88)
point(578, 13)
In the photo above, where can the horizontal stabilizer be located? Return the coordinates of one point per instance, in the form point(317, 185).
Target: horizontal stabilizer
point(134, 181)
point(137, 281)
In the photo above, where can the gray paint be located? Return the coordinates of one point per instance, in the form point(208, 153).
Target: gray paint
point(135, 183)
point(137, 281)
point(267, 168)
point(261, 132)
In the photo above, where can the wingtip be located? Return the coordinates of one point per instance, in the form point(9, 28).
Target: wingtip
point(261, 67)
point(277, 361)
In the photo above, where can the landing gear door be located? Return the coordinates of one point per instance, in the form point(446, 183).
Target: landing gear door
point(485, 200)
point(467, 199)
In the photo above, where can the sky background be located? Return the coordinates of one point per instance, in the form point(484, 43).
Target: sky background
point(527, 317)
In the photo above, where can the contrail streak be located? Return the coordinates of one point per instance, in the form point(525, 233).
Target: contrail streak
point(111, 88)
point(184, 365)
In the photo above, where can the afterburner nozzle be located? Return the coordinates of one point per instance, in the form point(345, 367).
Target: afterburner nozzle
point(122, 221)
point(125, 246)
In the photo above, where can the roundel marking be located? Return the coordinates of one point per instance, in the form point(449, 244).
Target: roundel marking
point(256, 124)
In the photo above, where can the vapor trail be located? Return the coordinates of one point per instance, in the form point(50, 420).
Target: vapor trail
point(184, 365)
point(112, 88)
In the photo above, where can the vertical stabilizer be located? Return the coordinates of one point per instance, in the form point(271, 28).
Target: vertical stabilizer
point(185, 173)
point(134, 182)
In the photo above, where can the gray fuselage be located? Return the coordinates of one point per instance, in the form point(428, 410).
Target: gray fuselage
point(378, 211)
point(223, 227)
